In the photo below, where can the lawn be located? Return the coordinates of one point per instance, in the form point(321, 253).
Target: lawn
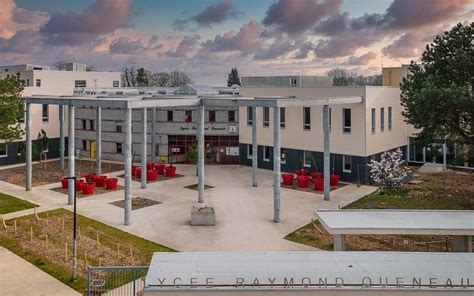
point(447, 191)
point(9, 204)
point(46, 243)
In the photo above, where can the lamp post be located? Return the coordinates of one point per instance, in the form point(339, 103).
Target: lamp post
point(74, 241)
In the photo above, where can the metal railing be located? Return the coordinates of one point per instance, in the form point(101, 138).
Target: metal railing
point(115, 280)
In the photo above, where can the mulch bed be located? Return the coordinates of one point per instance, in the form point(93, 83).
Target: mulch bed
point(53, 172)
point(137, 203)
point(160, 178)
point(310, 187)
point(79, 194)
point(195, 187)
point(315, 235)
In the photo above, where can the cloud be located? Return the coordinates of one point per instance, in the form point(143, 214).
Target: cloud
point(333, 25)
point(14, 18)
point(185, 47)
point(304, 51)
point(246, 40)
point(298, 16)
point(124, 45)
point(278, 48)
point(72, 28)
point(409, 45)
point(364, 59)
point(24, 41)
point(213, 14)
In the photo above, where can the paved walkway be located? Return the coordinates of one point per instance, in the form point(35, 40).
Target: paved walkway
point(21, 278)
point(243, 214)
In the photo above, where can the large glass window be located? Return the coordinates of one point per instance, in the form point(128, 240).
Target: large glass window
point(346, 119)
point(306, 118)
point(382, 119)
point(372, 125)
point(282, 118)
point(307, 159)
point(266, 153)
point(347, 163)
point(3, 150)
point(389, 118)
point(249, 116)
point(266, 117)
point(231, 116)
point(45, 112)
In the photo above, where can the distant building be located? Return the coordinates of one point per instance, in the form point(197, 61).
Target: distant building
point(288, 81)
point(392, 76)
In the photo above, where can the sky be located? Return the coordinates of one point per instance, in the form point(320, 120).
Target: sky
point(206, 38)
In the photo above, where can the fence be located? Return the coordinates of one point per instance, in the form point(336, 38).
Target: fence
point(115, 280)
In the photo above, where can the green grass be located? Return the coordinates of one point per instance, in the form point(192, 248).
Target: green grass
point(9, 204)
point(394, 198)
point(109, 237)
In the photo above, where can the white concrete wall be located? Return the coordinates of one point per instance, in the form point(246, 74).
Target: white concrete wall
point(55, 78)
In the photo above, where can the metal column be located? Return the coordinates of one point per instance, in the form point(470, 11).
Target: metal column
point(200, 164)
point(276, 165)
point(254, 147)
point(98, 141)
point(327, 153)
point(153, 134)
point(28, 147)
point(143, 150)
point(61, 137)
point(70, 154)
point(128, 166)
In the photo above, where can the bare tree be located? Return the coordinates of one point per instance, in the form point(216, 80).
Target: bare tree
point(342, 77)
point(129, 76)
point(160, 79)
point(178, 78)
point(60, 65)
point(91, 68)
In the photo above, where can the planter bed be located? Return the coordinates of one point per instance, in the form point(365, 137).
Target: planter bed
point(137, 203)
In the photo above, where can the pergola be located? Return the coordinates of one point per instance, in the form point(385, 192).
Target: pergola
point(143, 103)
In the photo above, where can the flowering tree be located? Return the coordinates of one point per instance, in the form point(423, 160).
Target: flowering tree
point(389, 171)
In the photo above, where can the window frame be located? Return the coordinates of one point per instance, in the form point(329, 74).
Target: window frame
point(213, 117)
point(282, 117)
point(390, 118)
point(117, 125)
point(229, 117)
point(38, 82)
point(169, 114)
point(346, 129)
point(6, 150)
point(115, 83)
point(188, 116)
point(92, 125)
point(267, 159)
point(382, 119)
point(344, 170)
point(249, 151)
point(84, 124)
point(117, 149)
point(266, 117)
point(306, 165)
point(283, 152)
point(306, 126)
point(249, 116)
point(80, 83)
point(45, 118)
point(373, 114)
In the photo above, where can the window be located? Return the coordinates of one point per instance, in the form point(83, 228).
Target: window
point(282, 118)
point(115, 83)
point(169, 116)
point(80, 83)
point(84, 144)
point(188, 116)
point(118, 147)
point(3, 150)
point(91, 125)
point(346, 163)
point(45, 112)
point(382, 120)
point(38, 82)
point(283, 155)
point(307, 159)
point(249, 151)
point(306, 118)
point(212, 116)
point(266, 117)
point(389, 118)
point(231, 116)
point(266, 153)
point(118, 126)
point(27, 82)
point(330, 118)
point(293, 81)
point(346, 118)
point(249, 116)
point(372, 125)
point(84, 124)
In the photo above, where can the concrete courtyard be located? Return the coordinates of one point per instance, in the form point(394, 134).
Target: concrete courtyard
point(244, 214)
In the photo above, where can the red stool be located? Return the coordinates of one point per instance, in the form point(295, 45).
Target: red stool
point(302, 173)
point(302, 181)
point(151, 175)
point(134, 170)
point(89, 177)
point(288, 179)
point(160, 168)
point(111, 183)
point(319, 185)
point(170, 171)
point(64, 183)
point(88, 189)
point(79, 184)
point(138, 172)
point(100, 181)
point(149, 165)
point(334, 180)
point(317, 175)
